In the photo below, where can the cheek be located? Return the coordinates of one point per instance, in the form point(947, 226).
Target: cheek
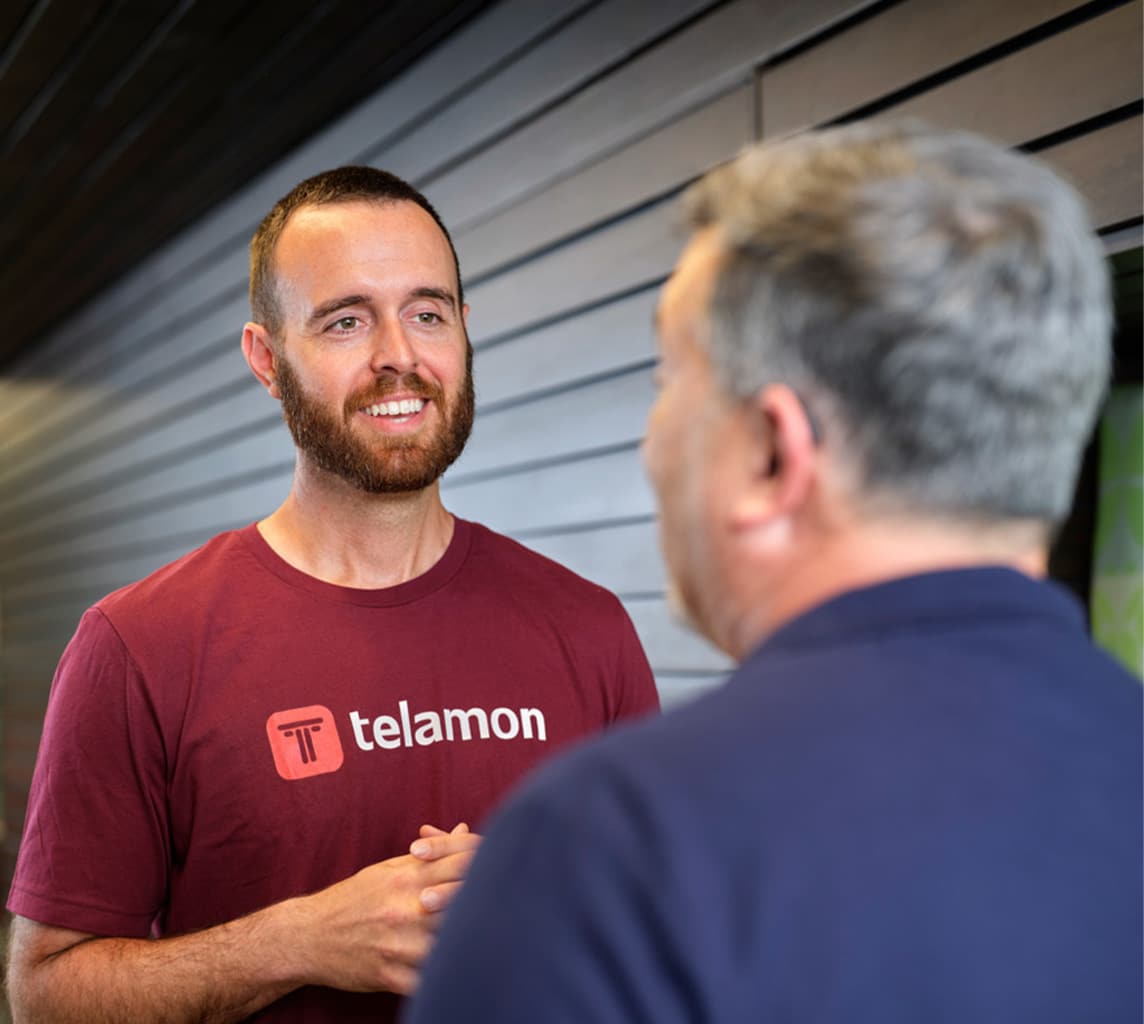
point(659, 441)
point(672, 472)
point(447, 365)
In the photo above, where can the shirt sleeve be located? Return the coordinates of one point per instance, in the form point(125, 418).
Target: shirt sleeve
point(559, 920)
point(95, 854)
point(634, 693)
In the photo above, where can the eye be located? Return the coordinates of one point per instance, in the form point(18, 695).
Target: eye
point(428, 317)
point(346, 323)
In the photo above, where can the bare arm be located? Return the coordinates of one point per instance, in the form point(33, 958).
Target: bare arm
point(55, 974)
point(368, 933)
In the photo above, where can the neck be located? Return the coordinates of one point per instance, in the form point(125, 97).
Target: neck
point(872, 553)
point(334, 532)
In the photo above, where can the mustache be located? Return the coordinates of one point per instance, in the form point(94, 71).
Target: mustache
point(407, 384)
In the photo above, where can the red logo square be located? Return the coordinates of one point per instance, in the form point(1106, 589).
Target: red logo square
point(304, 742)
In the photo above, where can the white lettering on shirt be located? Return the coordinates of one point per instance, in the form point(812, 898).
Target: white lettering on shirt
point(449, 725)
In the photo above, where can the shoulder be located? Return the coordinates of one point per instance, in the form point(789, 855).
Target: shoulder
point(203, 563)
point(510, 564)
point(169, 597)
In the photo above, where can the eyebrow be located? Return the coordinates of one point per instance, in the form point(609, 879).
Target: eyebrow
point(333, 305)
point(440, 294)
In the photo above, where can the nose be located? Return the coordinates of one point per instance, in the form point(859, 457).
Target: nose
point(392, 351)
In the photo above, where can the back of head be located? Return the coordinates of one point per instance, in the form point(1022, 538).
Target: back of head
point(339, 185)
point(940, 303)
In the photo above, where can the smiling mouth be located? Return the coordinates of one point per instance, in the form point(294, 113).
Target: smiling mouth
point(403, 407)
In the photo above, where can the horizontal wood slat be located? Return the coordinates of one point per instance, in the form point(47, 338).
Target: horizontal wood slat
point(900, 46)
point(1094, 68)
point(624, 558)
point(677, 691)
point(1105, 165)
point(710, 55)
point(561, 70)
point(652, 165)
point(671, 646)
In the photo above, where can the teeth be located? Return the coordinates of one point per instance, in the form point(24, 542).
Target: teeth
point(405, 407)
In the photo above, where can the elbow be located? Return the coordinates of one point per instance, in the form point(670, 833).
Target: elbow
point(25, 990)
point(31, 970)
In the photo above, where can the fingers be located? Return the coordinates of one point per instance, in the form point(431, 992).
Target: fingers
point(444, 844)
point(436, 898)
point(452, 868)
point(446, 860)
point(444, 877)
point(403, 980)
point(433, 830)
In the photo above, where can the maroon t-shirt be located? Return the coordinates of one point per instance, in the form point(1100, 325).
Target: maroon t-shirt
point(230, 732)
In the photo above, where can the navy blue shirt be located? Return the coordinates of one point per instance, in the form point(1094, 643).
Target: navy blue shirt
point(918, 802)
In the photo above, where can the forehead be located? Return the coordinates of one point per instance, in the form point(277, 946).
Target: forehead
point(385, 241)
point(686, 297)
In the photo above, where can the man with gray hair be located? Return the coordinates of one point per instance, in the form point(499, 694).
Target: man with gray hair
point(919, 796)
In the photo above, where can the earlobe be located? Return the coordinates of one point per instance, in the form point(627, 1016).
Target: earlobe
point(260, 357)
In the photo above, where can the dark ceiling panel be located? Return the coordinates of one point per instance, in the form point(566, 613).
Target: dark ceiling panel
point(13, 14)
point(152, 113)
point(42, 140)
point(39, 51)
point(110, 117)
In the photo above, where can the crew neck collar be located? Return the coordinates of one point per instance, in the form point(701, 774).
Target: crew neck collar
point(435, 577)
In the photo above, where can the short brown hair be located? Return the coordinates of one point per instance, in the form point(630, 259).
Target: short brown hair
point(340, 185)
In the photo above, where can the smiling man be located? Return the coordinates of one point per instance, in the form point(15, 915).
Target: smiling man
point(918, 798)
point(247, 755)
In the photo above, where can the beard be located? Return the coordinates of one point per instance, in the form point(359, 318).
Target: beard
point(379, 465)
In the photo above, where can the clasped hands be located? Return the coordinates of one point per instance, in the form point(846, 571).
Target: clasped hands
point(436, 845)
point(372, 931)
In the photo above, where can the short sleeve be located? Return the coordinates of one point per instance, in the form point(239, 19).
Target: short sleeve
point(634, 692)
point(95, 853)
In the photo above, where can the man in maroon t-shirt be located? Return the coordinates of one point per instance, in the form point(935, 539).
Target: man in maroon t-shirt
point(247, 755)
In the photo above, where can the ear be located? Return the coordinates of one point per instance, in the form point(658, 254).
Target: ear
point(785, 458)
point(260, 357)
point(465, 315)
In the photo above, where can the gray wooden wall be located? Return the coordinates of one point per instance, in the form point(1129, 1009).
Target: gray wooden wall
point(554, 137)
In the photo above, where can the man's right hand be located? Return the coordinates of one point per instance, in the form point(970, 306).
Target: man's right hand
point(374, 930)
point(367, 933)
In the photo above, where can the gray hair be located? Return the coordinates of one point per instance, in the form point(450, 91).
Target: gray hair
point(940, 303)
